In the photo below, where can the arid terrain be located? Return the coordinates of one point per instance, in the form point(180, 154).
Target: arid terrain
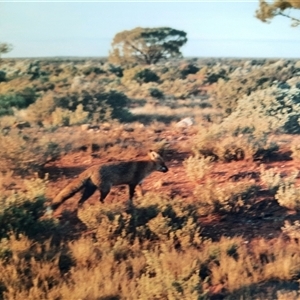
point(222, 223)
point(264, 219)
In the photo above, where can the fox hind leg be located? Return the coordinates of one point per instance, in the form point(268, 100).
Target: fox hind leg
point(87, 193)
point(131, 191)
point(104, 191)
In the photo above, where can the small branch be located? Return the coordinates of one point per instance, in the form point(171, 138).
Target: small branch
point(138, 50)
point(287, 16)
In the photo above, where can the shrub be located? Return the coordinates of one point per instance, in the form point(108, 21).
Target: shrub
point(271, 178)
point(20, 212)
point(101, 106)
point(87, 70)
point(128, 75)
point(223, 146)
point(117, 101)
point(79, 116)
point(24, 154)
point(226, 95)
point(65, 117)
point(40, 111)
point(228, 91)
point(152, 220)
point(7, 102)
point(288, 195)
point(23, 217)
point(18, 100)
point(213, 77)
point(145, 76)
point(180, 88)
point(29, 95)
point(187, 69)
point(77, 108)
point(270, 110)
point(117, 70)
point(197, 167)
point(229, 198)
point(60, 117)
point(295, 148)
point(156, 93)
point(2, 76)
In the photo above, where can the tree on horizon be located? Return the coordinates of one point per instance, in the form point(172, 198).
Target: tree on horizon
point(5, 48)
point(146, 45)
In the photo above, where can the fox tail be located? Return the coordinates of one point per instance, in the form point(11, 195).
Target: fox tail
point(71, 189)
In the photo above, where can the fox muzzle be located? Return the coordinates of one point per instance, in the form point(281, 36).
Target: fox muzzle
point(164, 169)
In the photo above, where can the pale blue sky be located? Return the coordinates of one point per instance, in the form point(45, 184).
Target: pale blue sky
point(215, 29)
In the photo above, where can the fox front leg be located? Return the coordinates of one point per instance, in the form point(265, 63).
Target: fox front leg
point(133, 190)
point(131, 193)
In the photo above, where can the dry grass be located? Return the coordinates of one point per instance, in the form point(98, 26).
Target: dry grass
point(135, 270)
point(154, 252)
point(176, 110)
point(197, 167)
point(226, 198)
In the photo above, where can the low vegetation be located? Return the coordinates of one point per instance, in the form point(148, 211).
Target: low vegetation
point(221, 224)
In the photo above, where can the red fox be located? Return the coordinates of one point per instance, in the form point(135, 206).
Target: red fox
point(105, 176)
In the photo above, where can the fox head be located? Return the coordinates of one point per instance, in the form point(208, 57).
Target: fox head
point(159, 162)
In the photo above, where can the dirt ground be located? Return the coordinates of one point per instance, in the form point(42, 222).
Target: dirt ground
point(264, 218)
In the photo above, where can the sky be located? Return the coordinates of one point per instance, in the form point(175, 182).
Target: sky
point(86, 28)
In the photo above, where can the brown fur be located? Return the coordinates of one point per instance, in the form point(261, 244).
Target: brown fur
point(103, 177)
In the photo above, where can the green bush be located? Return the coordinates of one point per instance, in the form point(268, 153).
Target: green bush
point(156, 93)
point(2, 76)
point(215, 76)
point(20, 212)
point(34, 70)
point(18, 100)
point(146, 76)
point(100, 106)
point(244, 81)
point(117, 70)
point(117, 101)
point(188, 69)
point(6, 111)
point(29, 95)
point(274, 109)
point(23, 217)
point(87, 70)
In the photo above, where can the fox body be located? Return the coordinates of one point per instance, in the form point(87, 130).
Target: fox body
point(103, 177)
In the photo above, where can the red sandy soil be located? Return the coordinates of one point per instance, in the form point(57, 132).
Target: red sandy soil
point(264, 218)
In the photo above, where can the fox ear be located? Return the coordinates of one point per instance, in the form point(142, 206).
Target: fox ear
point(153, 155)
